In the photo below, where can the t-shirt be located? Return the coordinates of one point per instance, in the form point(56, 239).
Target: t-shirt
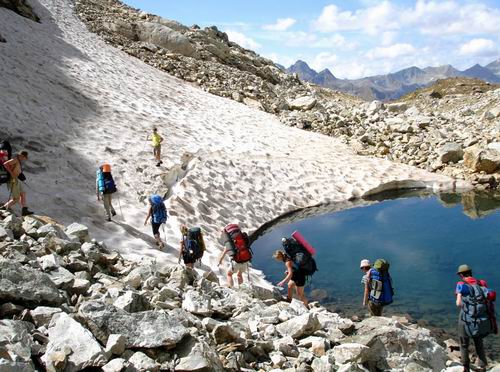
point(364, 279)
point(155, 140)
point(463, 289)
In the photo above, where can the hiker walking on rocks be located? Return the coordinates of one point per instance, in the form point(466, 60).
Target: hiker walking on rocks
point(192, 246)
point(15, 169)
point(477, 315)
point(295, 278)
point(158, 214)
point(156, 141)
point(237, 247)
point(378, 288)
point(105, 187)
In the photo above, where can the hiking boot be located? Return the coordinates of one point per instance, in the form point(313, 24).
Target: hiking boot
point(26, 212)
point(158, 164)
point(109, 219)
point(113, 213)
point(3, 208)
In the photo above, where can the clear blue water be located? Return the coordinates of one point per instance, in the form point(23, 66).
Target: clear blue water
point(425, 238)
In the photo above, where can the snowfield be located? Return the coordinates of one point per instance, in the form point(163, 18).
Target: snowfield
point(74, 102)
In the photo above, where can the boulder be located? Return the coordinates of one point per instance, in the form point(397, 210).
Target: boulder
point(397, 107)
point(197, 355)
point(16, 344)
point(250, 102)
point(26, 285)
point(14, 224)
point(66, 332)
point(116, 344)
point(165, 37)
point(302, 103)
point(42, 315)
point(115, 365)
point(481, 159)
point(147, 329)
point(197, 303)
point(450, 153)
point(317, 345)
point(52, 230)
point(225, 333)
point(62, 278)
point(131, 302)
point(349, 352)
point(141, 362)
point(300, 326)
point(5, 234)
point(49, 262)
point(78, 232)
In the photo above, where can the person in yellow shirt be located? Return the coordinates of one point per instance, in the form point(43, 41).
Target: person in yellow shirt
point(156, 141)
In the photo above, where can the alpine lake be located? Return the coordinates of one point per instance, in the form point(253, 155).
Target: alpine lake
point(425, 237)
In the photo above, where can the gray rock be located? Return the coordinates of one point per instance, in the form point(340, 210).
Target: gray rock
point(42, 315)
point(481, 159)
point(5, 233)
point(286, 345)
point(224, 333)
point(450, 153)
point(78, 231)
point(62, 278)
point(116, 344)
point(65, 332)
point(16, 342)
point(147, 329)
point(302, 103)
point(14, 224)
point(197, 355)
point(26, 285)
point(49, 262)
point(197, 303)
point(165, 37)
point(80, 286)
point(349, 352)
point(115, 365)
point(131, 302)
point(141, 362)
point(52, 230)
point(300, 326)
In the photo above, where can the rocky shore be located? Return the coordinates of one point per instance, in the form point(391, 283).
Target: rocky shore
point(451, 128)
point(69, 303)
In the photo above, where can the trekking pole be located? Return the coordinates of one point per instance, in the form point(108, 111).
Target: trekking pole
point(120, 205)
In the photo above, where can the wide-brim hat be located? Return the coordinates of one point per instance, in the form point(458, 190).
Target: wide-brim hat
point(364, 263)
point(463, 269)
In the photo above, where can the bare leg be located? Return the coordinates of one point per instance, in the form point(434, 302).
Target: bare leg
point(230, 282)
point(240, 278)
point(302, 296)
point(11, 203)
point(291, 289)
point(23, 199)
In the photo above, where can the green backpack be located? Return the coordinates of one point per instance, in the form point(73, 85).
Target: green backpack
point(381, 265)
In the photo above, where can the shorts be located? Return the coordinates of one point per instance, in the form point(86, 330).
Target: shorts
point(299, 278)
point(236, 267)
point(15, 188)
point(156, 228)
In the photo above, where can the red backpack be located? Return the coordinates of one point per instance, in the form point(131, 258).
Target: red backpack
point(239, 243)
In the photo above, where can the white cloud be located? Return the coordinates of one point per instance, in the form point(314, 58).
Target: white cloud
point(388, 37)
point(242, 40)
point(282, 24)
point(281, 59)
point(479, 47)
point(324, 60)
point(392, 51)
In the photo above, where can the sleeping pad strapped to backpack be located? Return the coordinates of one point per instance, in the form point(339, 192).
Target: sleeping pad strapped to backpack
point(194, 245)
point(381, 291)
point(238, 242)
point(159, 209)
point(5, 154)
point(302, 259)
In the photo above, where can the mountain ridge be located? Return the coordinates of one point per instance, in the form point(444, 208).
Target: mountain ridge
point(395, 84)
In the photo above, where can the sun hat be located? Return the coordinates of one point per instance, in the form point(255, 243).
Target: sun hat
point(463, 269)
point(364, 263)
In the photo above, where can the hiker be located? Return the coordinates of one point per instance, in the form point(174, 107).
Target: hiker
point(237, 247)
point(364, 266)
point(192, 246)
point(477, 315)
point(378, 288)
point(105, 187)
point(156, 141)
point(15, 169)
point(299, 263)
point(158, 214)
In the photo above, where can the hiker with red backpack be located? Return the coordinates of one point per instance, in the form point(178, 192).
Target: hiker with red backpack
point(14, 177)
point(158, 214)
point(192, 246)
point(105, 187)
point(299, 263)
point(477, 315)
point(237, 247)
point(379, 291)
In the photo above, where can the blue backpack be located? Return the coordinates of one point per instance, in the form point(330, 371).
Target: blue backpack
point(475, 313)
point(159, 209)
point(381, 291)
point(105, 182)
point(100, 181)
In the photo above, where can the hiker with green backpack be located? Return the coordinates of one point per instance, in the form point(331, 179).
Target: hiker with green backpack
point(477, 315)
point(379, 291)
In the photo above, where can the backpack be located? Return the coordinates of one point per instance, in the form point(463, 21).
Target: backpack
point(194, 245)
point(109, 183)
point(238, 242)
point(100, 181)
point(5, 154)
point(301, 258)
point(159, 209)
point(475, 312)
point(381, 291)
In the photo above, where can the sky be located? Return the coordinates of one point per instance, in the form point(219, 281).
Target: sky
point(354, 38)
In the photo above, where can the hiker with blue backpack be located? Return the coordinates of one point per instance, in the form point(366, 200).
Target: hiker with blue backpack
point(379, 291)
point(158, 214)
point(477, 315)
point(192, 246)
point(105, 188)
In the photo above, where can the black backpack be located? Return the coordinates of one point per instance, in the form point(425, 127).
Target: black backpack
point(5, 154)
point(475, 313)
point(301, 258)
point(194, 245)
